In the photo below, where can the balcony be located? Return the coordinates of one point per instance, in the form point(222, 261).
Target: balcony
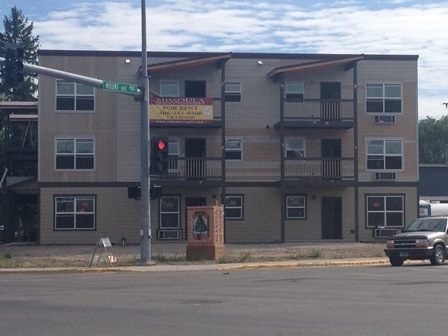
point(318, 114)
point(190, 170)
point(320, 171)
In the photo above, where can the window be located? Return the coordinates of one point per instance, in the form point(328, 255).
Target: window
point(173, 146)
point(383, 98)
point(294, 91)
point(384, 154)
point(232, 91)
point(74, 213)
point(385, 211)
point(169, 212)
point(75, 154)
point(295, 148)
point(169, 88)
point(233, 149)
point(72, 96)
point(234, 207)
point(295, 207)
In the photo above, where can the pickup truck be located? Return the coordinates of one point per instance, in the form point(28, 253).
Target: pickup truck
point(424, 238)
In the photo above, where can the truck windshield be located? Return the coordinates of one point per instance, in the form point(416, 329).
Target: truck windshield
point(427, 224)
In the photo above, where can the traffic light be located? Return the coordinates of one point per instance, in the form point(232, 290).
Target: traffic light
point(155, 191)
point(13, 66)
point(159, 156)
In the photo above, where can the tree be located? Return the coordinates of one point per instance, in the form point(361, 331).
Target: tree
point(19, 32)
point(433, 140)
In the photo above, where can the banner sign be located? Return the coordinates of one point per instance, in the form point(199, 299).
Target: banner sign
point(180, 110)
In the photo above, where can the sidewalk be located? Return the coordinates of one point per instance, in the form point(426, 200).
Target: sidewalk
point(286, 255)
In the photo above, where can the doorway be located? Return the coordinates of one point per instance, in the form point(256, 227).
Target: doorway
point(195, 88)
point(195, 149)
point(331, 158)
point(330, 107)
point(331, 217)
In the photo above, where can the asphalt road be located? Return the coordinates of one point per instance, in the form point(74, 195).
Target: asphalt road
point(373, 300)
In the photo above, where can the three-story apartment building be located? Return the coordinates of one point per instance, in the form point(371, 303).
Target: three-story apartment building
point(297, 147)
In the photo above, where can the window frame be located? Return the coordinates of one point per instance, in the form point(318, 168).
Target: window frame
point(235, 95)
point(384, 211)
point(163, 212)
point(75, 154)
point(290, 153)
point(76, 96)
point(173, 82)
point(385, 156)
point(233, 151)
point(294, 95)
point(237, 207)
point(383, 99)
point(304, 207)
point(76, 212)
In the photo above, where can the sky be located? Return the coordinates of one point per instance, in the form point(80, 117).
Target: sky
point(403, 27)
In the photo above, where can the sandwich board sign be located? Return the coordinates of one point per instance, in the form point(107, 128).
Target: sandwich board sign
point(103, 245)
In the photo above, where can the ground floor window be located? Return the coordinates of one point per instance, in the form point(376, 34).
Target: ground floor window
point(385, 211)
point(170, 212)
point(234, 207)
point(295, 207)
point(74, 212)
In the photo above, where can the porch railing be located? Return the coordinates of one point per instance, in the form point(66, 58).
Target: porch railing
point(319, 109)
point(331, 168)
point(195, 168)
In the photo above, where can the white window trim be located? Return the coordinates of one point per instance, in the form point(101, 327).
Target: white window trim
point(296, 207)
point(240, 150)
point(75, 212)
point(383, 98)
point(177, 212)
point(74, 154)
point(384, 155)
point(287, 83)
point(286, 148)
point(241, 208)
point(74, 95)
point(235, 92)
point(385, 211)
point(169, 81)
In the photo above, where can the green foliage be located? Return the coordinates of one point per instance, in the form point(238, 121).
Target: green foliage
point(17, 30)
point(433, 140)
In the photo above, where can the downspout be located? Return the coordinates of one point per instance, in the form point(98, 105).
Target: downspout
point(355, 130)
point(223, 142)
point(282, 163)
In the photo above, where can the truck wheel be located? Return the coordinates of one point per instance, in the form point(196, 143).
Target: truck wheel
point(438, 255)
point(396, 261)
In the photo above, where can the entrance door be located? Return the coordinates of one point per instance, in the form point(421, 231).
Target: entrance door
point(330, 93)
point(331, 158)
point(195, 88)
point(195, 157)
point(331, 217)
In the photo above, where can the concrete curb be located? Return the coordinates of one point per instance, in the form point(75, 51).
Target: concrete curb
point(202, 267)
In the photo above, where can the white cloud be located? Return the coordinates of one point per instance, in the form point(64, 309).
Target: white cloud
point(391, 27)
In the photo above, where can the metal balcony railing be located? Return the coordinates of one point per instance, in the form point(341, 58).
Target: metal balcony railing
point(195, 168)
point(319, 109)
point(334, 168)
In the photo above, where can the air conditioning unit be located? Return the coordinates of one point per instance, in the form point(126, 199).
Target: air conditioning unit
point(384, 176)
point(169, 234)
point(385, 233)
point(384, 119)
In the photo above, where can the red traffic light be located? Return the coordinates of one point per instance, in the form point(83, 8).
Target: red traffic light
point(161, 145)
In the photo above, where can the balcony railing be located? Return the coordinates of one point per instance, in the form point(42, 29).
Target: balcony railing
point(319, 109)
point(195, 168)
point(334, 168)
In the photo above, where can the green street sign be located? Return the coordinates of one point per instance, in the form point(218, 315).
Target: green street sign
point(120, 87)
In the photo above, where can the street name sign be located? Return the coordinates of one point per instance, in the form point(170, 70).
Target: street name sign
point(120, 87)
